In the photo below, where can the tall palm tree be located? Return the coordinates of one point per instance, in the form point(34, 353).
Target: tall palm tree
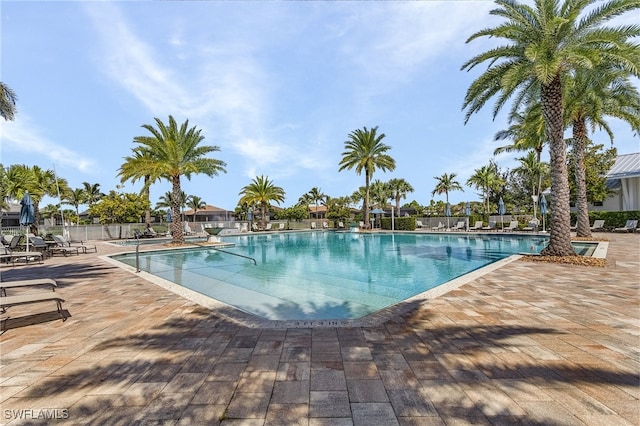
point(170, 153)
point(487, 179)
point(365, 151)
point(317, 196)
point(261, 192)
point(591, 96)
point(92, 193)
point(306, 200)
point(533, 171)
point(196, 203)
point(545, 43)
point(380, 193)
point(75, 198)
point(399, 189)
point(7, 102)
point(446, 183)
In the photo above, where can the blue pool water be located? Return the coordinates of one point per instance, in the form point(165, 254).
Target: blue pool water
point(328, 275)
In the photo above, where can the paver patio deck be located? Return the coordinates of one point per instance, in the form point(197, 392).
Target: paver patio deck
point(529, 343)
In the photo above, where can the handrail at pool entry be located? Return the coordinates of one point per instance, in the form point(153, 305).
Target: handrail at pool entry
point(236, 254)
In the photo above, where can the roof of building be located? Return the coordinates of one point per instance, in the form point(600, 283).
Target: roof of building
point(207, 210)
point(626, 166)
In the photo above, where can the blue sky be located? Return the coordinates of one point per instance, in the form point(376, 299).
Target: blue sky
point(278, 86)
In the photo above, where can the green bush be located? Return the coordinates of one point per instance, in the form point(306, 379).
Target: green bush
point(400, 223)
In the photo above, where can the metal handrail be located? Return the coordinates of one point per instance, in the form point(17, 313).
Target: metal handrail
point(237, 254)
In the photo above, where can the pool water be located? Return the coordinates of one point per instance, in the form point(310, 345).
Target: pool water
point(328, 275)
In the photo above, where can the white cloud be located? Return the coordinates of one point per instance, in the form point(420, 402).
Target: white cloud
point(20, 136)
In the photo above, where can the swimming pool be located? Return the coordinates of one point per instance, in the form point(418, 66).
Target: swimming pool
point(327, 275)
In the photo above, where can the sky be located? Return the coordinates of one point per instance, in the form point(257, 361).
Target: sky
point(277, 86)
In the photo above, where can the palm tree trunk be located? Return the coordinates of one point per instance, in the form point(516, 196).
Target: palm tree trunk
point(552, 109)
point(579, 144)
point(176, 225)
point(147, 213)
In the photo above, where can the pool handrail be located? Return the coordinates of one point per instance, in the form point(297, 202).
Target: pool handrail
point(236, 254)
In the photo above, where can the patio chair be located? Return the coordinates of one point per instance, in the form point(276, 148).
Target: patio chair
point(325, 225)
point(340, 225)
point(58, 246)
point(513, 226)
point(630, 226)
point(12, 256)
point(24, 299)
point(532, 226)
point(65, 242)
point(598, 225)
point(419, 224)
point(490, 227)
point(281, 226)
point(313, 225)
point(268, 227)
point(39, 244)
point(244, 227)
point(439, 227)
point(187, 229)
point(4, 285)
point(459, 226)
point(477, 226)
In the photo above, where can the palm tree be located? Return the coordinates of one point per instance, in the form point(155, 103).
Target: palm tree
point(380, 193)
point(75, 198)
point(7, 102)
point(92, 193)
point(533, 171)
point(165, 201)
point(399, 189)
point(261, 192)
point(170, 153)
point(364, 150)
point(196, 203)
point(317, 196)
point(545, 43)
point(305, 200)
point(446, 183)
point(526, 130)
point(487, 179)
point(592, 95)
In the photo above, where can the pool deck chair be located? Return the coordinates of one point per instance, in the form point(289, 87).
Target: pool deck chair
point(630, 226)
point(419, 224)
point(477, 226)
point(439, 227)
point(313, 225)
point(532, 226)
point(281, 226)
point(459, 226)
point(4, 285)
point(598, 225)
point(13, 256)
point(491, 227)
point(513, 226)
point(26, 299)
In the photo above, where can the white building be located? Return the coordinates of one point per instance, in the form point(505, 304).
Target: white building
point(624, 177)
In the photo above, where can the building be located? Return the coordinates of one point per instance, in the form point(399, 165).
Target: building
point(624, 178)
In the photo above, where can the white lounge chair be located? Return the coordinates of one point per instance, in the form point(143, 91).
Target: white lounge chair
point(477, 226)
point(459, 226)
point(630, 226)
point(313, 225)
point(513, 226)
point(4, 285)
point(598, 225)
point(439, 227)
point(532, 226)
point(281, 226)
point(268, 227)
point(340, 225)
point(419, 224)
point(491, 227)
point(325, 225)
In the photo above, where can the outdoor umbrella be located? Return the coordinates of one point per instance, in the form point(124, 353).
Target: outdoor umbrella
point(169, 217)
point(467, 211)
point(447, 213)
point(377, 211)
point(501, 211)
point(26, 213)
point(543, 211)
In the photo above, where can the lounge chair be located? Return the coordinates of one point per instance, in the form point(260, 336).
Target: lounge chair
point(24, 299)
point(340, 225)
point(532, 226)
point(187, 229)
point(630, 226)
point(268, 227)
point(313, 225)
point(598, 225)
point(419, 224)
point(255, 227)
point(281, 226)
point(4, 285)
point(39, 244)
point(244, 227)
point(491, 227)
point(459, 226)
point(439, 227)
point(477, 226)
point(65, 242)
point(325, 225)
point(361, 224)
point(513, 226)
point(13, 256)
